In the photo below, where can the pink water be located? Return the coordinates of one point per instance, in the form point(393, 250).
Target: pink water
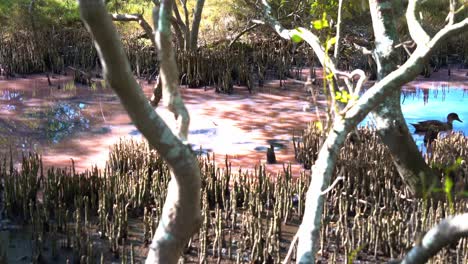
point(86, 121)
point(240, 125)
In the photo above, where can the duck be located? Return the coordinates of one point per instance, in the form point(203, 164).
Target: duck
point(436, 125)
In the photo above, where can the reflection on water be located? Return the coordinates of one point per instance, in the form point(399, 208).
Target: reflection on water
point(432, 100)
point(60, 120)
point(435, 104)
point(82, 122)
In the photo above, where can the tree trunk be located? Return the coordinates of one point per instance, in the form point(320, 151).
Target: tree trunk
point(196, 25)
point(181, 214)
point(390, 122)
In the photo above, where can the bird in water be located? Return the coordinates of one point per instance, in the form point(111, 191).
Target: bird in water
point(436, 125)
point(431, 128)
point(271, 157)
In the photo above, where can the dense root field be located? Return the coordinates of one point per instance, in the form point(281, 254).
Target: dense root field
point(110, 215)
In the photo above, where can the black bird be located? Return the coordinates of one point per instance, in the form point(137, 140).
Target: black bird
point(271, 157)
point(436, 125)
point(430, 136)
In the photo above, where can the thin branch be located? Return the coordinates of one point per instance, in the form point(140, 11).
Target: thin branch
point(448, 231)
point(451, 15)
point(178, 18)
point(245, 30)
point(291, 248)
point(137, 18)
point(337, 180)
point(338, 31)
point(364, 50)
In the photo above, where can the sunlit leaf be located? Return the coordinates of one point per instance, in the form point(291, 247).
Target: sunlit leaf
point(320, 24)
point(331, 42)
point(448, 184)
point(296, 36)
point(319, 125)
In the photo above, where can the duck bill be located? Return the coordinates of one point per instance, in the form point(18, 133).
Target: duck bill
point(459, 120)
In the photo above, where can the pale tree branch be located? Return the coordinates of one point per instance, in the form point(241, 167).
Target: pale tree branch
point(169, 72)
point(291, 249)
point(416, 31)
point(451, 15)
point(364, 50)
point(337, 180)
point(399, 77)
point(338, 31)
point(137, 18)
point(322, 171)
point(448, 231)
point(181, 214)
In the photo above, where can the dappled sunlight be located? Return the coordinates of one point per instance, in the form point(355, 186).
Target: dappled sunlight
point(241, 125)
point(82, 122)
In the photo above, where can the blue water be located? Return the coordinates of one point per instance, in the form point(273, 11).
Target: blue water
point(434, 104)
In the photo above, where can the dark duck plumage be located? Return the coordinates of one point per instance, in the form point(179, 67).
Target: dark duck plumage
point(436, 125)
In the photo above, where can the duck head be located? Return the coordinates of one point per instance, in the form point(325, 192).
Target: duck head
point(453, 116)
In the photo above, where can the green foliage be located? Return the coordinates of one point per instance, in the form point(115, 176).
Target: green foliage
point(296, 35)
point(16, 14)
point(448, 182)
point(321, 23)
point(354, 253)
point(344, 96)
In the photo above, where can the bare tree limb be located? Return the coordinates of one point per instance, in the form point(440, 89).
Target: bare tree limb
point(337, 180)
point(322, 171)
point(451, 15)
point(181, 215)
point(169, 73)
point(364, 50)
point(137, 18)
point(417, 33)
point(196, 24)
point(178, 18)
point(338, 31)
point(448, 231)
point(245, 30)
point(291, 249)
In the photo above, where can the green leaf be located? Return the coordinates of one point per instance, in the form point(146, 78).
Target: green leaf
point(331, 42)
point(448, 184)
point(320, 24)
point(296, 35)
point(319, 125)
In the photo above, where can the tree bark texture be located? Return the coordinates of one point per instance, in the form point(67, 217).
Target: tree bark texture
point(391, 125)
